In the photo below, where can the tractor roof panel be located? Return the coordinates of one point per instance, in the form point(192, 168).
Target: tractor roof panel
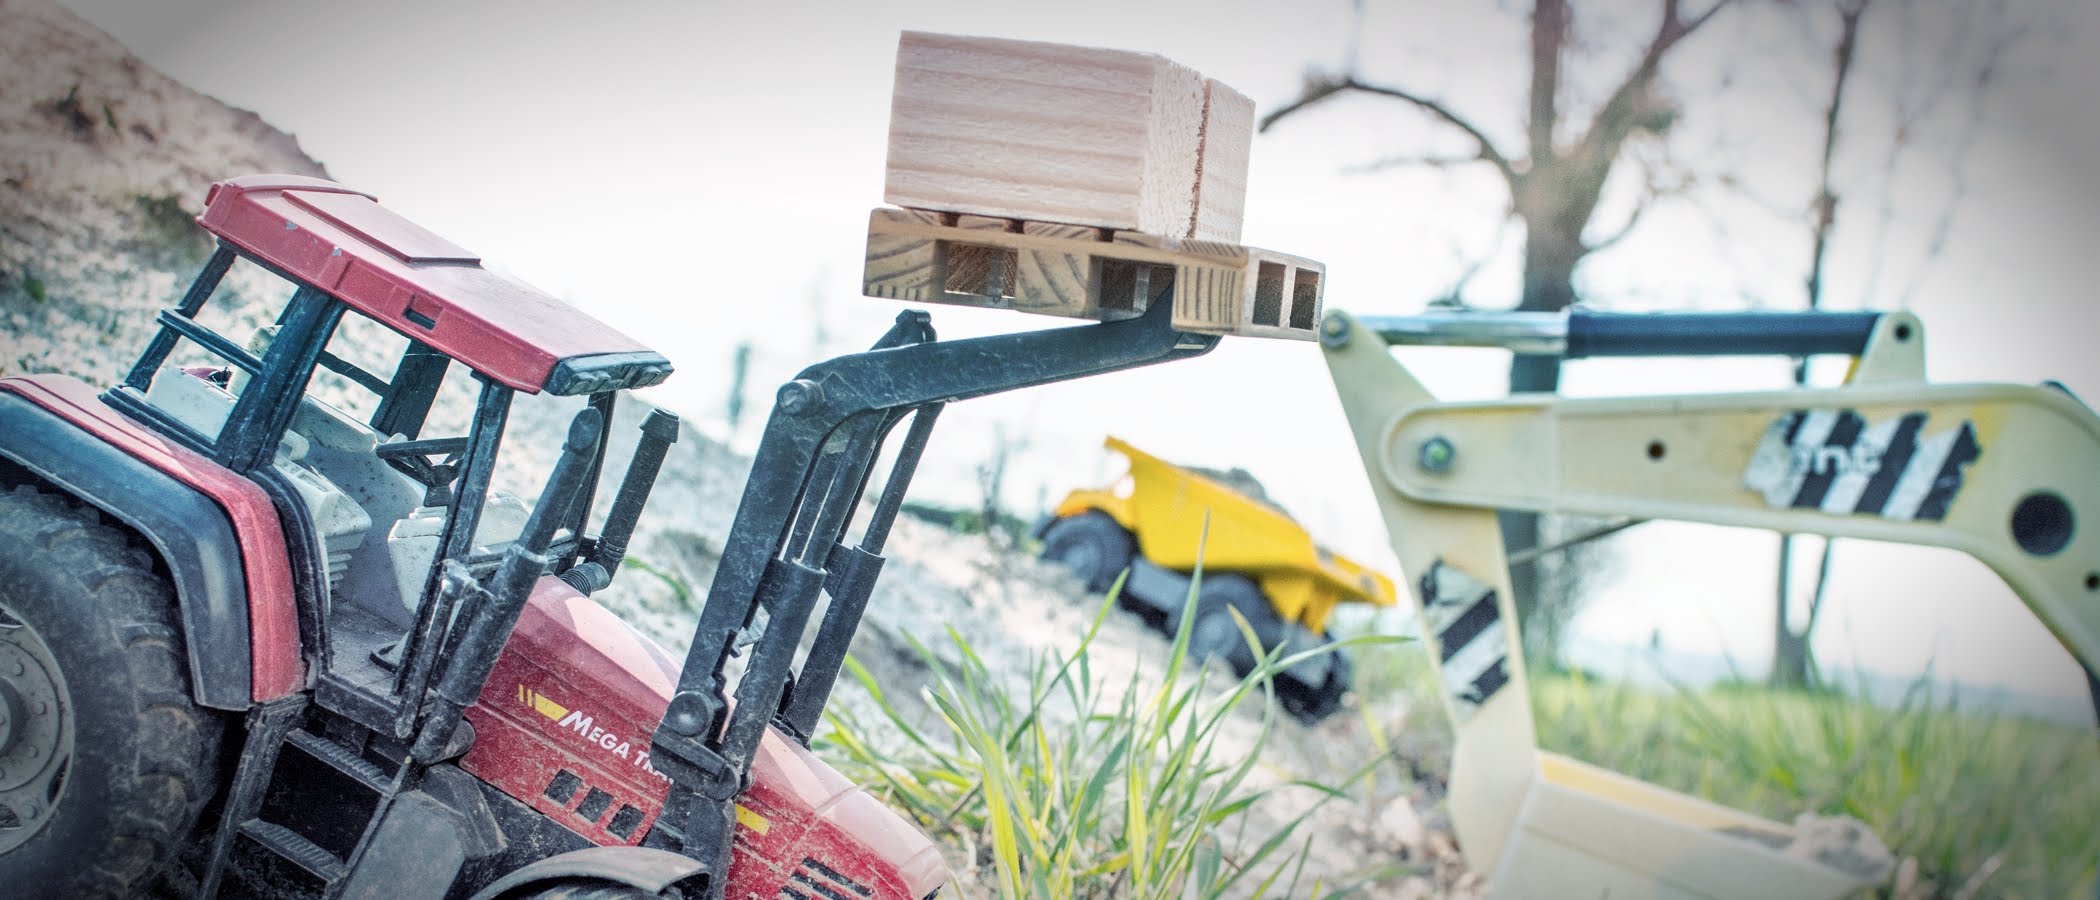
point(428, 288)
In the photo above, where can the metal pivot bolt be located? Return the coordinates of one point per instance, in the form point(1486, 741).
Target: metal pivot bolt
point(799, 396)
point(689, 712)
point(1436, 455)
point(1334, 331)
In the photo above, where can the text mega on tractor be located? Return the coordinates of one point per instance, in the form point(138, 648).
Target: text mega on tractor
point(273, 624)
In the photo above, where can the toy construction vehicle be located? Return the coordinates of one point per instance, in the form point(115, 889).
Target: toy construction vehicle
point(280, 578)
point(1160, 517)
point(2001, 472)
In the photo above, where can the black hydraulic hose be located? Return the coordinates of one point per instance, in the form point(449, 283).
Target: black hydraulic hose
point(1580, 332)
point(503, 598)
point(827, 513)
point(659, 432)
point(854, 570)
point(1811, 333)
point(786, 598)
point(901, 471)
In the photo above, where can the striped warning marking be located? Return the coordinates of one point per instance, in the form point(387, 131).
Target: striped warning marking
point(541, 704)
point(1833, 460)
point(1466, 616)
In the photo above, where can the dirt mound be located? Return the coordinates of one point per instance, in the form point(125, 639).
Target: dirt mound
point(103, 162)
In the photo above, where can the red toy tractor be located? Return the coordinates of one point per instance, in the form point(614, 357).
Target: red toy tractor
point(271, 622)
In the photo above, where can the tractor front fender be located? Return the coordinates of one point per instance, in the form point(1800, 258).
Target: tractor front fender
point(191, 534)
point(645, 868)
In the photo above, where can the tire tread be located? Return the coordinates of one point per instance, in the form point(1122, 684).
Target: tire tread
point(72, 543)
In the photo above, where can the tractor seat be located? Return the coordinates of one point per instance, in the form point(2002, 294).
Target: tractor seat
point(413, 541)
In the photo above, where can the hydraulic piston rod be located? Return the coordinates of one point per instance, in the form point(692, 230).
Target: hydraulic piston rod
point(1581, 333)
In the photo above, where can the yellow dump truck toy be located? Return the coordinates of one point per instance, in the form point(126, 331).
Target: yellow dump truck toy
point(1255, 559)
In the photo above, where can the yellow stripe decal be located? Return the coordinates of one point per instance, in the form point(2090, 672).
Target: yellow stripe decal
point(752, 820)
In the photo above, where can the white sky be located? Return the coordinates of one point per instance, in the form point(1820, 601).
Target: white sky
point(699, 174)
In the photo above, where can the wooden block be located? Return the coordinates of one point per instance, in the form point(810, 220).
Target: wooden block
point(1057, 282)
point(1281, 296)
point(1211, 297)
point(900, 266)
point(1221, 164)
point(979, 270)
point(1055, 133)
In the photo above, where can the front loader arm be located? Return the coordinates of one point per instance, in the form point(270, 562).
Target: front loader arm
point(787, 538)
point(2000, 472)
point(2004, 473)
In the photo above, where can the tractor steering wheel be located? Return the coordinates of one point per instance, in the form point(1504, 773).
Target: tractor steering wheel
point(432, 463)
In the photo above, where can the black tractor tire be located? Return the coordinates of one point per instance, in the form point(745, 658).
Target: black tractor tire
point(94, 684)
point(1309, 706)
point(1092, 545)
point(589, 889)
point(1214, 633)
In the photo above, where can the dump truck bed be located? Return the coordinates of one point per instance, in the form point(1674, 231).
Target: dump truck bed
point(1178, 515)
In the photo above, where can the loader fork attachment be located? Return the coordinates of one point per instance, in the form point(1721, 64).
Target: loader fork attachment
point(788, 540)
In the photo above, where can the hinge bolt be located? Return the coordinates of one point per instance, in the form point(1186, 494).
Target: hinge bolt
point(799, 396)
point(689, 712)
point(1436, 455)
point(1334, 331)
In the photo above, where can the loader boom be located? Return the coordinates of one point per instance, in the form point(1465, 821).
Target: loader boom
point(2000, 472)
point(787, 541)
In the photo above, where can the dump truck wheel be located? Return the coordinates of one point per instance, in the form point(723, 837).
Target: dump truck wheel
point(1092, 545)
point(1213, 633)
point(1310, 706)
point(104, 760)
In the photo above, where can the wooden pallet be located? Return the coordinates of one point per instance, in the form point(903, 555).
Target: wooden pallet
point(1082, 272)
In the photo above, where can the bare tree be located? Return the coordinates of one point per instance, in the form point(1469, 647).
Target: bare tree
point(1792, 659)
point(1553, 187)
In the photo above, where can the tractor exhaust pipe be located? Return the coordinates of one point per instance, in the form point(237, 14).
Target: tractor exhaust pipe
point(659, 432)
point(492, 610)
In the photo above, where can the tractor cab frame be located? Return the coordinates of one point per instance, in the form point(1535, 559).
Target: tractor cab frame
point(394, 636)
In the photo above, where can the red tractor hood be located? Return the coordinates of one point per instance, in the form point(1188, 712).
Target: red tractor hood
point(564, 727)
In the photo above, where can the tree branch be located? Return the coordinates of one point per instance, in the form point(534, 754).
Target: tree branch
point(1425, 160)
point(1320, 88)
point(1615, 120)
point(1456, 294)
point(1815, 598)
point(1317, 88)
point(1632, 219)
point(1549, 35)
point(1849, 14)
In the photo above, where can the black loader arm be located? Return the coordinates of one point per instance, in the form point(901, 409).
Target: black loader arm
point(786, 544)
